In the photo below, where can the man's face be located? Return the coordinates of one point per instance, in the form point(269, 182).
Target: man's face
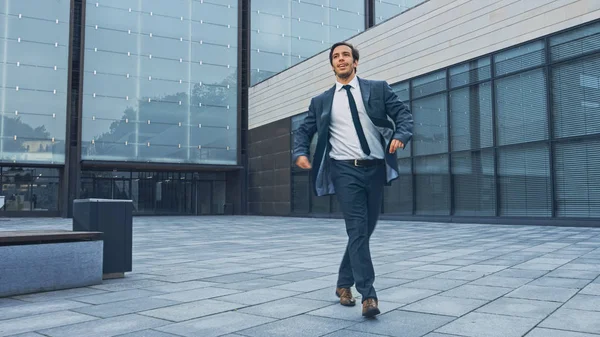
point(343, 63)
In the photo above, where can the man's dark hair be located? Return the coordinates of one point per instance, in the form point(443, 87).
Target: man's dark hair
point(355, 55)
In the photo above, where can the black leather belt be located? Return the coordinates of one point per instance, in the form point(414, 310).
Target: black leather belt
point(364, 162)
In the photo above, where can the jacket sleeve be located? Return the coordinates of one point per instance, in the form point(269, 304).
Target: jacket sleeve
point(303, 135)
point(400, 114)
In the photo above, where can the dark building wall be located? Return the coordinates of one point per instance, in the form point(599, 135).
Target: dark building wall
point(269, 169)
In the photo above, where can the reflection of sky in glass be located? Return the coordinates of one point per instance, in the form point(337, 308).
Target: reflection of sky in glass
point(385, 9)
point(34, 44)
point(285, 32)
point(160, 81)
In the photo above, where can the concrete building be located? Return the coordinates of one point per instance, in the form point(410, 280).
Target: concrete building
point(506, 102)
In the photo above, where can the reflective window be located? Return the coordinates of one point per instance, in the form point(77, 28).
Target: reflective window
point(522, 108)
point(577, 164)
point(524, 180)
point(286, 32)
point(520, 58)
point(30, 188)
point(471, 117)
point(194, 193)
point(430, 116)
point(473, 182)
point(34, 49)
point(385, 9)
point(576, 98)
point(432, 185)
point(575, 42)
point(160, 81)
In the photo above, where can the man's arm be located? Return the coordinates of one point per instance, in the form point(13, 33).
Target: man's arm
point(303, 135)
point(400, 114)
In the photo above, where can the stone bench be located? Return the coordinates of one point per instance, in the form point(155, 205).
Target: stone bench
point(34, 261)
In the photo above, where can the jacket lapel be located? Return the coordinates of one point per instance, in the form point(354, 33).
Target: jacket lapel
point(327, 104)
point(365, 90)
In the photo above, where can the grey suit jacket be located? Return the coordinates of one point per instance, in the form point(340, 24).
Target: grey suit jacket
point(391, 117)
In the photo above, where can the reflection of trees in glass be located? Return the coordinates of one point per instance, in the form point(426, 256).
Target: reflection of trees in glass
point(207, 105)
point(29, 139)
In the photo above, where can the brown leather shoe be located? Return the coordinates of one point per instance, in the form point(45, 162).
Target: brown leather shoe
point(345, 295)
point(370, 308)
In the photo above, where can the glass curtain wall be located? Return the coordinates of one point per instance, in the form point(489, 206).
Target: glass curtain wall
point(34, 48)
point(515, 134)
point(160, 81)
point(385, 9)
point(285, 32)
point(192, 193)
point(30, 189)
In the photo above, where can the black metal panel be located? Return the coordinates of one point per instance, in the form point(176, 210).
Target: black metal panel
point(71, 172)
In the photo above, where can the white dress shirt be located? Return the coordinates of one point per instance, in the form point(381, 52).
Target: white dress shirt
point(342, 134)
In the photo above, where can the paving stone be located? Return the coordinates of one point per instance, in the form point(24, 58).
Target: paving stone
point(107, 327)
point(215, 325)
point(402, 324)
point(578, 274)
point(208, 269)
point(258, 296)
point(543, 293)
point(498, 281)
point(285, 307)
point(521, 273)
point(477, 292)
point(339, 311)
point(559, 282)
point(196, 294)
point(584, 302)
point(190, 310)
point(306, 285)
point(38, 322)
point(520, 307)
point(60, 294)
point(180, 286)
point(442, 305)
point(435, 284)
point(249, 285)
point(148, 333)
point(116, 296)
point(24, 309)
point(349, 333)
point(542, 332)
point(299, 326)
point(573, 320)
point(124, 307)
point(461, 275)
point(592, 289)
point(489, 325)
point(404, 295)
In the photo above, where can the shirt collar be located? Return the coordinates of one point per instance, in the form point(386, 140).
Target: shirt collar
point(353, 84)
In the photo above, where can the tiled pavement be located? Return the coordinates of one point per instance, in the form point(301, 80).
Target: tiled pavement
point(267, 276)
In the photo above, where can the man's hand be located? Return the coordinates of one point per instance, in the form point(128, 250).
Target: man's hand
point(302, 162)
point(395, 145)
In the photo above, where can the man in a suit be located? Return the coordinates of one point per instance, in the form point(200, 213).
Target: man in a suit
point(354, 158)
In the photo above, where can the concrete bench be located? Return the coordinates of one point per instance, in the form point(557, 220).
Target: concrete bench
point(35, 261)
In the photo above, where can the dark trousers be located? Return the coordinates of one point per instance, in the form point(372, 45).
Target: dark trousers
point(359, 191)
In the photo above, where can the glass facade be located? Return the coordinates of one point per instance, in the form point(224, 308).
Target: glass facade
point(191, 193)
point(385, 9)
point(286, 32)
point(160, 81)
point(30, 189)
point(515, 134)
point(34, 54)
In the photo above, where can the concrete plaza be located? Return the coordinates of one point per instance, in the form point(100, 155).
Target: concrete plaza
point(270, 276)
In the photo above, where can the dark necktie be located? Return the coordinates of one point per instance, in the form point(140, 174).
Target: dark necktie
point(359, 130)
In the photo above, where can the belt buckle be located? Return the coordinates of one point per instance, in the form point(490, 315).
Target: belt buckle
point(356, 163)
